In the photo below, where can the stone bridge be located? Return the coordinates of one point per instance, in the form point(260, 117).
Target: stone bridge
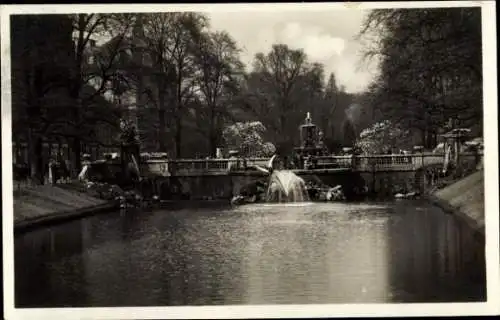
point(223, 178)
point(319, 165)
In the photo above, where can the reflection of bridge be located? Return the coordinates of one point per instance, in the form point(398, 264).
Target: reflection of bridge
point(321, 165)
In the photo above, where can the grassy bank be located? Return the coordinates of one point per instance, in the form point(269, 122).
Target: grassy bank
point(464, 198)
point(47, 204)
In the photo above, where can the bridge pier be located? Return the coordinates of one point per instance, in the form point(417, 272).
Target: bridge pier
point(387, 184)
point(354, 184)
point(200, 187)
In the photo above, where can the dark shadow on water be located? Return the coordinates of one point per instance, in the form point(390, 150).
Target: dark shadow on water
point(255, 254)
point(435, 255)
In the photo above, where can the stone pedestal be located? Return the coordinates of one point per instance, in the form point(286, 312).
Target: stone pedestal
point(310, 142)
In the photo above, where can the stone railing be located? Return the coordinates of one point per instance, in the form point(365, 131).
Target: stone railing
point(396, 162)
point(390, 162)
point(261, 162)
point(201, 166)
point(333, 162)
point(193, 166)
point(384, 162)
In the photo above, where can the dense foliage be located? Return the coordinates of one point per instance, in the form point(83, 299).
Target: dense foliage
point(183, 83)
point(248, 139)
point(128, 133)
point(189, 93)
point(381, 137)
point(430, 68)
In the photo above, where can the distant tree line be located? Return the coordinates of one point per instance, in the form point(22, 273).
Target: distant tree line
point(183, 83)
point(193, 85)
point(74, 77)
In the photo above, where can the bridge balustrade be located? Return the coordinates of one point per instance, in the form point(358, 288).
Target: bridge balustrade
point(390, 162)
point(383, 162)
point(428, 159)
point(261, 162)
point(334, 161)
point(198, 165)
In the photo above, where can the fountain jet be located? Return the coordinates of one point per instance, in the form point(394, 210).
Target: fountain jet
point(284, 185)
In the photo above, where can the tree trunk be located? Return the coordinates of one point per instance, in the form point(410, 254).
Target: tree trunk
point(282, 124)
point(77, 150)
point(432, 140)
point(34, 139)
point(76, 162)
point(212, 139)
point(161, 119)
point(178, 125)
point(212, 145)
point(423, 137)
point(75, 87)
point(161, 130)
point(35, 158)
point(282, 138)
point(429, 139)
point(178, 136)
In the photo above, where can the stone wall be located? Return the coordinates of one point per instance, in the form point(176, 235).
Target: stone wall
point(355, 184)
point(373, 184)
point(202, 187)
point(465, 198)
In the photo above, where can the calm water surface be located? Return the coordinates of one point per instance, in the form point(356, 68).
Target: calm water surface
point(258, 254)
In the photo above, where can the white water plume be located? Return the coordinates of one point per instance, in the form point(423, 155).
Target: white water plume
point(285, 186)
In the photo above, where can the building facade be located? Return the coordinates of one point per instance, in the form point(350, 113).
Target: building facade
point(41, 57)
point(44, 49)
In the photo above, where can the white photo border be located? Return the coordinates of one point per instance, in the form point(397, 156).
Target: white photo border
point(491, 307)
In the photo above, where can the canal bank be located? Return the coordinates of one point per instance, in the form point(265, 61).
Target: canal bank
point(42, 205)
point(465, 199)
point(49, 204)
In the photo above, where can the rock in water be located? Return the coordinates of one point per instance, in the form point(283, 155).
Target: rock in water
point(411, 195)
point(237, 200)
point(335, 194)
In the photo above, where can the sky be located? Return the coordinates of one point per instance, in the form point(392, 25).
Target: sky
point(325, 36)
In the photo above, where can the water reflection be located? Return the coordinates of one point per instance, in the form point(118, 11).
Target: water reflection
point(258, 254)
point(440, 249)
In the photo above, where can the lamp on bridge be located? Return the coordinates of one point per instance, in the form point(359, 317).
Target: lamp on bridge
point(453, 142)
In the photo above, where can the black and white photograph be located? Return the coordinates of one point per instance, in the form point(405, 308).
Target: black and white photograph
point(250, 160)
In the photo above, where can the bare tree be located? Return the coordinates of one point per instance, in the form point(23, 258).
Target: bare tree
point(168, 42)
point(220, 65)
point(280, 70)
point(95, 70)
point(279, 73)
